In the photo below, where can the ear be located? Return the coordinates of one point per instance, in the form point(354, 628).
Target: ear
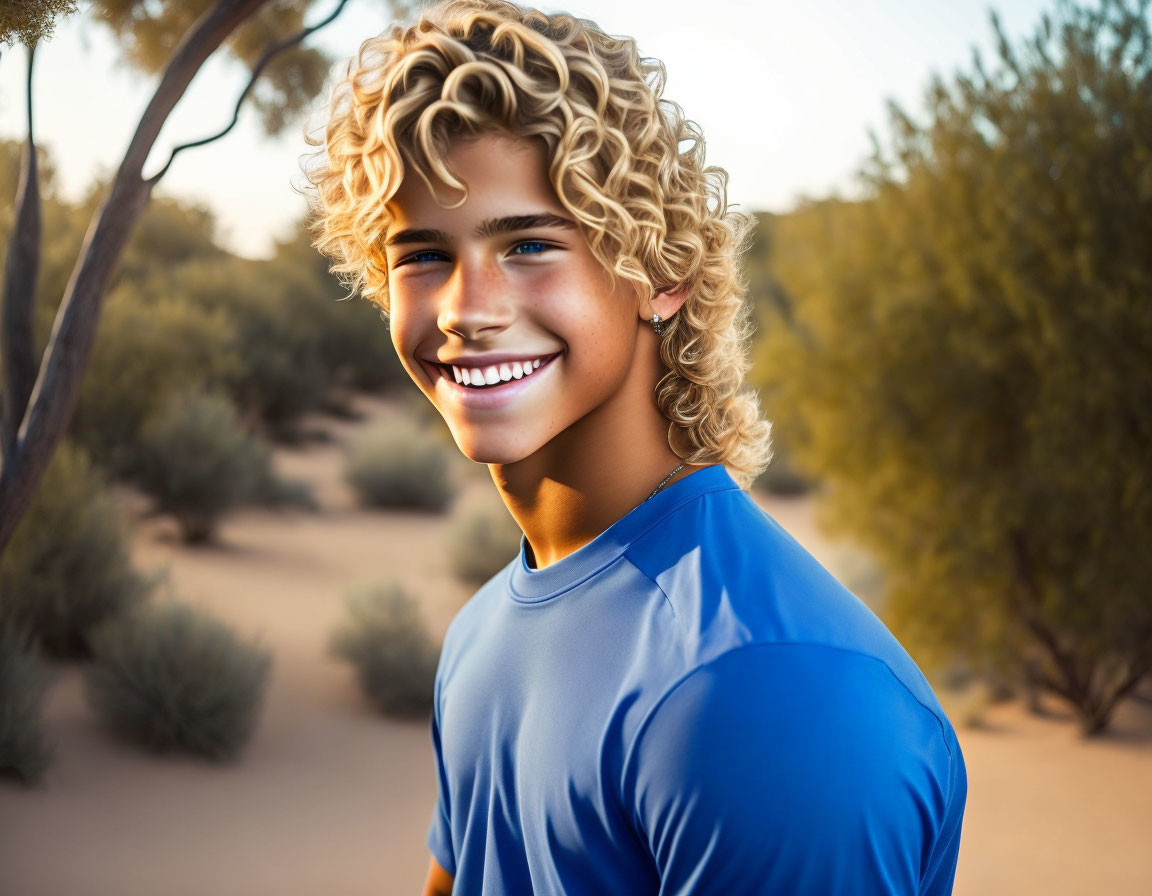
point(665, 302)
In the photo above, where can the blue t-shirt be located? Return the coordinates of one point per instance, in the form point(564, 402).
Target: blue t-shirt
point(688, 704)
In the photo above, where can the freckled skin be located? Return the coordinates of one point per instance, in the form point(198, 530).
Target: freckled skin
point(586, 443)
point(478, 297)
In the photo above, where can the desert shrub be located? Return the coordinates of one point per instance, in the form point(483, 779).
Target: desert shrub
point(67, 567)
point(394, 657)
point(277, 374)
point(282, 376)
point(24, 751)
point(400, 465)
point(482, 537)
point(198, 461)
point(350, 336)
point(170, 677)
point(274, 491)
point(147, 348)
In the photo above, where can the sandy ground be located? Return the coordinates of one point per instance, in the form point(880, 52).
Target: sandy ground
point(331, 798)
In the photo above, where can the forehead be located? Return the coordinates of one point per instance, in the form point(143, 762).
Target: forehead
point(503, 173)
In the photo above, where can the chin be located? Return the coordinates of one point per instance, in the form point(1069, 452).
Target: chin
point(492, 451)
point(487, 451)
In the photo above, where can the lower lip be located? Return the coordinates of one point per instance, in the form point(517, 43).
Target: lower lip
point(493, 396)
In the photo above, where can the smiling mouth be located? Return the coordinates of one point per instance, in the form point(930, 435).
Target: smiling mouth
point(494, 375)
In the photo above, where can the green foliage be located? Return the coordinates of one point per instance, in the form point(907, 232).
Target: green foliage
point(182, 312)
point(29, 21)
point(24, 751)
point(400, 465)
point(198, 461)
point(171, 233)
point(148, 349)
point(482, 538)
point(170, 677)
point(149, 30)
point(351, 339)
point(385, 640)
point(67, 568)
point(964, 359)
point(282, 376)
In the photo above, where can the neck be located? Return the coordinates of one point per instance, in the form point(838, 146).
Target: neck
point(563, 511)
point(588, 477)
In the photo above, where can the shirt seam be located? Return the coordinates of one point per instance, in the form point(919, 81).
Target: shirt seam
point(544, 598)
point(655, 584)
point(650, 714)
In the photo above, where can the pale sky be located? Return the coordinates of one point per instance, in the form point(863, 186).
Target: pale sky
point(784, 91)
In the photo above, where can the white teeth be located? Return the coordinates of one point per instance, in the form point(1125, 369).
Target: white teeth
point(496, 373)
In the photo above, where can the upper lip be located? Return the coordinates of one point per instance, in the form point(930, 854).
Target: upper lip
point(490, 360)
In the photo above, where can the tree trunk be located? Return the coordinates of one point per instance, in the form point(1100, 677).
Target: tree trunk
point(54, 396)
point(20, 276)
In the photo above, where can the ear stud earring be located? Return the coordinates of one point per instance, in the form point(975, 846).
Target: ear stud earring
point(659, 326)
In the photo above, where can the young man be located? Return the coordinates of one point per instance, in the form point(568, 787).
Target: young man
point(663, 693)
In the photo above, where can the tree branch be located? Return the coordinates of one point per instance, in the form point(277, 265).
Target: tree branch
point(19, 297)
point(57, 389)
point(1030, 614)
point(261, 64)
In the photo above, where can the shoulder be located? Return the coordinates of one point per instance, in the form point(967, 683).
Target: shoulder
point(817, 751)
point(796, 704)
point(733, 577)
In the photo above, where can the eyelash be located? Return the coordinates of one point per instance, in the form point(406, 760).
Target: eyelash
point(416, 257)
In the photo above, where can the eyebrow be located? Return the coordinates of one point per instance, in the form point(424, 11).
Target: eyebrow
point(490, 227)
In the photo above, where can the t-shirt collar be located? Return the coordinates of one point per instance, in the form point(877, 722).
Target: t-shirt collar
point(526, 585)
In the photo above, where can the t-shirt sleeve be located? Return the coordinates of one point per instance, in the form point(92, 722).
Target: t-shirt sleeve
point(439, 838)
point(797, 769)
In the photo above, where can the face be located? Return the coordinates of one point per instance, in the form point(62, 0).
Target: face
point(500, 312)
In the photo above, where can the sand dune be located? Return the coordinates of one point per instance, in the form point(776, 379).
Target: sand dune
point(331, 798)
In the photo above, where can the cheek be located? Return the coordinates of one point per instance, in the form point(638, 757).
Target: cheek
point(603, 338)
point(403, 328)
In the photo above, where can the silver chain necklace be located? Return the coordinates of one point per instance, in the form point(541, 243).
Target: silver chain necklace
point(665, 482)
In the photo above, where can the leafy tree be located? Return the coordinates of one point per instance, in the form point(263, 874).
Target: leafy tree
point(174, 38)
point(29, 21)
point(965, 359)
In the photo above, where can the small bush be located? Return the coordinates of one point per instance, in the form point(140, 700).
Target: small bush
point(152, 342)
point(482, 538)
point(394, 657)
point(172, 678)
point(278, 492)
point(24, 751)
point(283, 375)
point(67, 568)
point(351, 338)
point(400, 465)
point(198, 461)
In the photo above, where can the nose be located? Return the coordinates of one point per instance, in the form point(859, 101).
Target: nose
point(475, 301)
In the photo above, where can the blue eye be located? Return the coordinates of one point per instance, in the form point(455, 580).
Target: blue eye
point(530, 247)
point(426, 255)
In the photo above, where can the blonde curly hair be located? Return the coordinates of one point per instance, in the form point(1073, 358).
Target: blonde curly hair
point(625, 163)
